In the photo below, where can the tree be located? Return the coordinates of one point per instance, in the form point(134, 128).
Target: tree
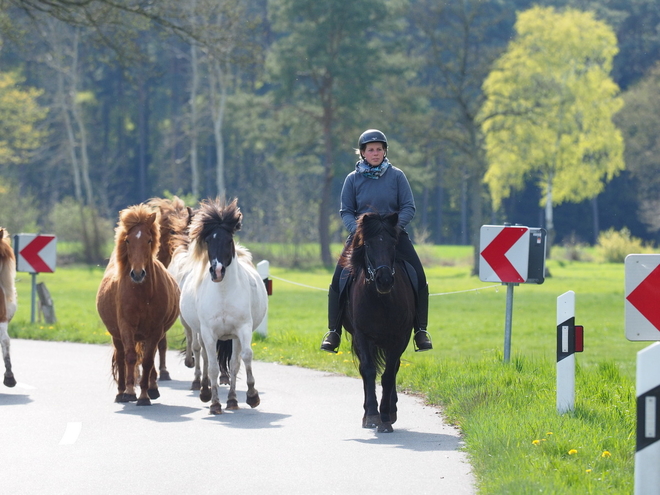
point(324, 64)
point(548, 113)
point(20, 113)
point(640, 121)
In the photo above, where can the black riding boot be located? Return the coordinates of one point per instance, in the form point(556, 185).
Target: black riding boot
point(422, 338)
point(332, 339)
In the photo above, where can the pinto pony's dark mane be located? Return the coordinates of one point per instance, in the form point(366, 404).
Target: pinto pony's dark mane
point(131, 217)
point(213, 214)
point(369, 225)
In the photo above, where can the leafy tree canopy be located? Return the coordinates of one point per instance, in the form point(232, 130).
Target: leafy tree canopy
point(549, 108)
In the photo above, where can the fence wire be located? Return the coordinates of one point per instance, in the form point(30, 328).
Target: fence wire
point(436, 294)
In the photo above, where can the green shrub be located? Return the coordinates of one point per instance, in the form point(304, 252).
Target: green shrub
point(613, 246)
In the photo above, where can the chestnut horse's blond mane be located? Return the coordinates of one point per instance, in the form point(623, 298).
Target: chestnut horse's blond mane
point(129, 218)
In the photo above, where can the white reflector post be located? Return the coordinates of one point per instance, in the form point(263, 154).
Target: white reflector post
point(263, 268)
point(565, 352)
point(647, 455)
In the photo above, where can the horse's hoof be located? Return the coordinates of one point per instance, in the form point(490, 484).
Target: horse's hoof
point(190, 363)
point(9, 381)
point(224, 380)
point(196, 385)
point(385, 428)
point(253, 401)
point(371, 421)
point(143, 402)
point(205, 395)
point(164, 376)
point(124, 397)
point(232, 404)
point(215, 408)
point(153, 393)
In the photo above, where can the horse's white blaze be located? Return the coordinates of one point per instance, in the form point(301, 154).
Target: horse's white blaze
point(139, 234)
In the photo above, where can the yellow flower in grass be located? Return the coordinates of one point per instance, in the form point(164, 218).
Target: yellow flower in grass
point(588, 471)
point(572, 452)
point(536, 442)
point(606, 454)
point(549, 433)
point(339, 353)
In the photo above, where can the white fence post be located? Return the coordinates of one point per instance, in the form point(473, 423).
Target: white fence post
point(569, 341)
point(263, 268)
point(647, 454)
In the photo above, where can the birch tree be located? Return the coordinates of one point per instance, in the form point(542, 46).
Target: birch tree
point(549, 108)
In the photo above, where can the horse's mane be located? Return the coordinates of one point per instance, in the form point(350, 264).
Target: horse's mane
point(175, 217)
point(369, 225)
point(210, 215)
point(7, 267)
point(130, 217)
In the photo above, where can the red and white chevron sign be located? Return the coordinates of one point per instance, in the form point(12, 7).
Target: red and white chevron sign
point(504, 254)
point(36, 253)
point(642, 311)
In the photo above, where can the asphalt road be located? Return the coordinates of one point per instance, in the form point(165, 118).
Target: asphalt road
point(62, 433)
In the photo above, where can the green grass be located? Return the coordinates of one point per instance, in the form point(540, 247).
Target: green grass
point(507, 411)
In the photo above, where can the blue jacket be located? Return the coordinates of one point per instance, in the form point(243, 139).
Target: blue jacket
point(389, 193)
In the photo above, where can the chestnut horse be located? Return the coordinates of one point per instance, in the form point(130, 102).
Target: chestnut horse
point(138, 301)
point(175, 217)
point(7, 301)
point(379, 313)
point(223, 299)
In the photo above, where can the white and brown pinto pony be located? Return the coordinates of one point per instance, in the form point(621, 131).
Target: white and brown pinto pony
point(223, 298)
point(138, 301)
point(7, 301)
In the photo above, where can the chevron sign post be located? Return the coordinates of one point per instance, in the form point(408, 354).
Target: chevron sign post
point(35, 253)
point(512, 255)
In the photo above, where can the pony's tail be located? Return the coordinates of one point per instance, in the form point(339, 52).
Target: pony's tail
point(376, 353)
point(223, 349)
point(115, 368)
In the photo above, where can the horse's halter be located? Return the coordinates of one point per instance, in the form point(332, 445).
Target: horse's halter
point(371, 271)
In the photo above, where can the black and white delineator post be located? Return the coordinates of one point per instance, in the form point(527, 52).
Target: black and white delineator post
point(263, 268)
point(570, 339)
point(647, 454)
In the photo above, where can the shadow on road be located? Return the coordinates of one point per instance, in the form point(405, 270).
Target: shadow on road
point(413, 440)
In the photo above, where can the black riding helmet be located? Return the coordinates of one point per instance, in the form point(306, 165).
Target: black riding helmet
point(372, 136)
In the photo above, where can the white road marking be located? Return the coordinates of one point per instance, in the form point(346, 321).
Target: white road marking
point(71, 433)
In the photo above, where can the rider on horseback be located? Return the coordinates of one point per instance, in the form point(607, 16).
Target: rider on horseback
point(377, 185)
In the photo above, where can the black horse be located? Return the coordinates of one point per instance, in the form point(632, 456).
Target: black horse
point(380, 311)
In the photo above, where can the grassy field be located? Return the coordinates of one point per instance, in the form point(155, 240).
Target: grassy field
point(507, 411)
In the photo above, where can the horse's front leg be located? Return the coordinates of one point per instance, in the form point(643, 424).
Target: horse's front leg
point(389, 398)
point(120, 370)
point(211, 371)
point(164, 375)
point(148, 383)
point(202, 371)
point(243, 351)
point(9, 379)
point(371, 418)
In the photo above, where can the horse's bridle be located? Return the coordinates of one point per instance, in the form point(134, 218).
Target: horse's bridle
point(371, 271)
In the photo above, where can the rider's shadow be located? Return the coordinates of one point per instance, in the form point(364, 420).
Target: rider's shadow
point(414, 440)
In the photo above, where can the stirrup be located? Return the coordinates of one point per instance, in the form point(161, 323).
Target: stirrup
point(422, 341)
point(331, 341)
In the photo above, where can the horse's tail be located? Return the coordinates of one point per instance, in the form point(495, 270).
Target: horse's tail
point(115, 368)
point(376, 353)
point(223, 349)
